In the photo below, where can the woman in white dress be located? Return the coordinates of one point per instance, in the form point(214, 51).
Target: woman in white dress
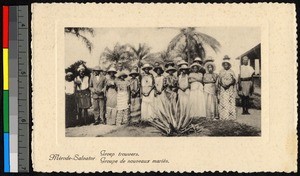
point(210, 90)
point(183, 88)
point(147, 94)
point(197, 99)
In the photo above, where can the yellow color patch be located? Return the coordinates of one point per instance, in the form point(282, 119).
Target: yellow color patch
point(5, 69)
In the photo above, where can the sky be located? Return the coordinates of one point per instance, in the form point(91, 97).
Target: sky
point(234, 42)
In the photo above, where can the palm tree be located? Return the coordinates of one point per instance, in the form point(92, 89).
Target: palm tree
point(119, 55)
point(142, 52)
point(159, 57)
point(192, 43)
point(79, 33)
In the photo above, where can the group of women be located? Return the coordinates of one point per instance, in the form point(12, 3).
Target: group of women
point(207, 93)
point(133, 97)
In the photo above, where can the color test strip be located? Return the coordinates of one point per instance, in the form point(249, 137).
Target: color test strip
point(13, 88)
point(6, 88)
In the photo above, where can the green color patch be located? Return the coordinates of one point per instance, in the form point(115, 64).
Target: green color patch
point(6, 111)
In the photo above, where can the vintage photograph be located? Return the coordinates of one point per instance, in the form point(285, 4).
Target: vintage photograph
point(164, 81)
point(164, 87)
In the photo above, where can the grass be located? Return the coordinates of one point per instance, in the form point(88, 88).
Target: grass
point(141, 124)
point(225, 128)
point(201, 126)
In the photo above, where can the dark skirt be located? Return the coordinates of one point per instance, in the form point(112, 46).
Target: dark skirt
point(84, 99)
point(71, 110)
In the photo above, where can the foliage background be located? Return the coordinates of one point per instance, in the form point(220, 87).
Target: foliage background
point(234, 42)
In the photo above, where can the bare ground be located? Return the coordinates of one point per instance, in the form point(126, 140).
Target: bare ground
point(245, 125)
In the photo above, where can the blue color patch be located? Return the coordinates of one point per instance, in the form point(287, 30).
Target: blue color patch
point(6, 153)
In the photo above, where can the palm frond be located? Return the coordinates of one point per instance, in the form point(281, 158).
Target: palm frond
point(173, 43)
point(89, 30)
point(87, 42)
point(207, 40)
point(77, 32)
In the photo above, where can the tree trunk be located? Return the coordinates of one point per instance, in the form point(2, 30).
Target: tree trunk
point(187, 50)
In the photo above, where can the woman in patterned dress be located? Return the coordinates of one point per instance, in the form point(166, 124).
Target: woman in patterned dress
point(111, 97)
point(147, 94)
point(227, 80)
point(83, 94)
point(196, 99)
point(210, 90)
point(123, 99)
point(135, 97)
point(171, 84)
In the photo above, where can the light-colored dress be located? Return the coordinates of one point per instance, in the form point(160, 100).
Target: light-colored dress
point(183, 93)
point(111, 101)
point(197, 99)
point(135, 100)
point(210, 93)
point(227, 109)
point(147, 97)
point(122, 102)
point(160, 96)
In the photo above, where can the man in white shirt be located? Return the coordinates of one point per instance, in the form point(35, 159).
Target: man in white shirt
point(246, 84)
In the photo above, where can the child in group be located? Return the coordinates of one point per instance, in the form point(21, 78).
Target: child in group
point(135, 97)
point(123, 99)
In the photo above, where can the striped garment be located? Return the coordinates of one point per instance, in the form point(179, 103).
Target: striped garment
point(122, 102)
